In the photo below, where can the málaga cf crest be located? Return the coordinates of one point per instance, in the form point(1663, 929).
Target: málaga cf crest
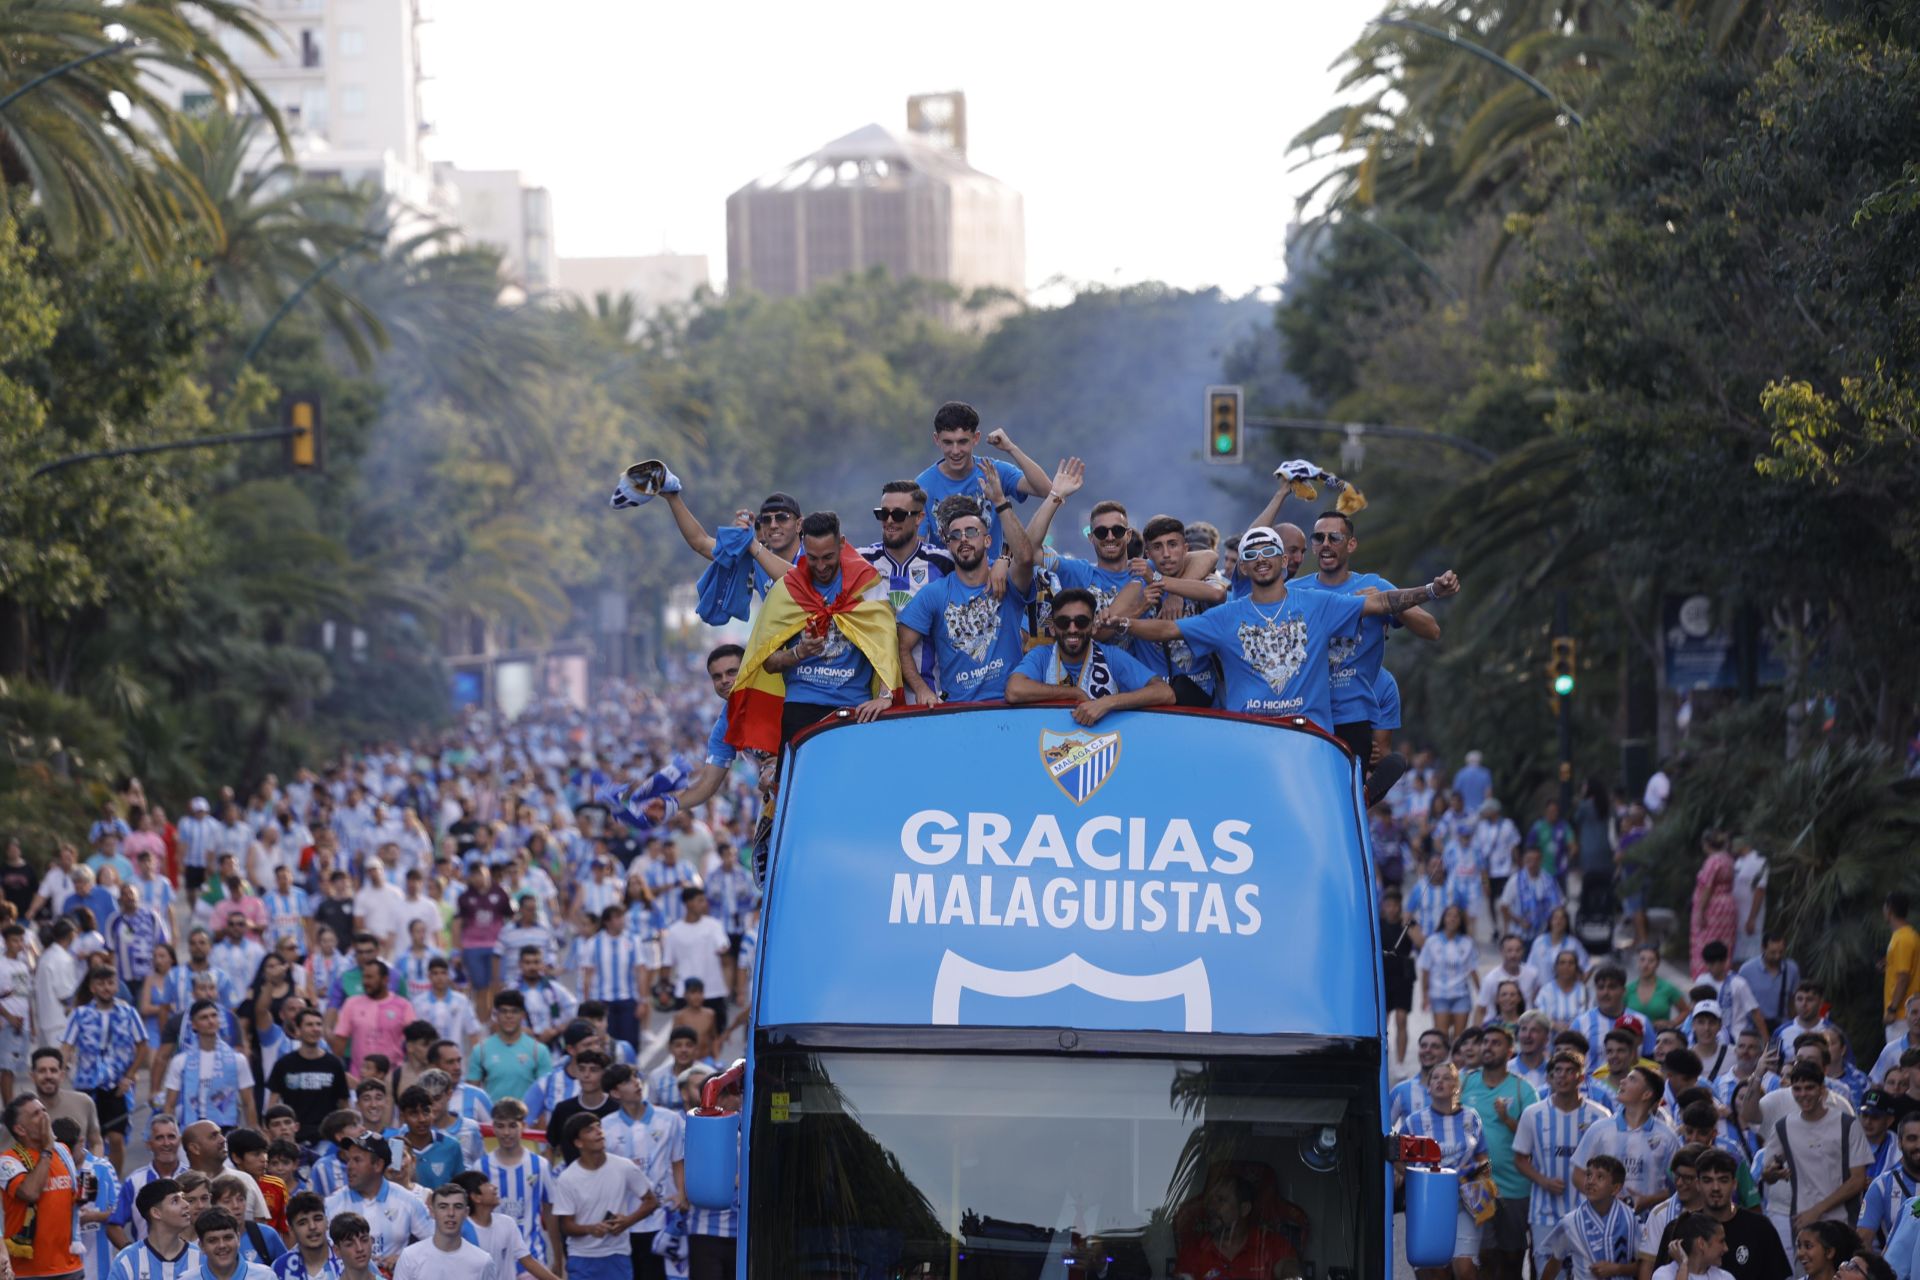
point(1079, 763)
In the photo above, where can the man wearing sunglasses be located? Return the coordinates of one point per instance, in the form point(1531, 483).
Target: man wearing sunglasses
point(976, 637)
point(907, 562)
point(1354, 655)
point(1095, 678)
point(775, 547)
point(956, 432)
point(1274, 644)
point(1109, 575)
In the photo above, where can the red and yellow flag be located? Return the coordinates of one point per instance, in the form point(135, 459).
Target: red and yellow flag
point(861, 611)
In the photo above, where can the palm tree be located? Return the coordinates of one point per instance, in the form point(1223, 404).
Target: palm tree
point(274, 229)
point(87, 142)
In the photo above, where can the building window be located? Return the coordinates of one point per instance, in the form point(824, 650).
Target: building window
point(309, 47)
point(353, 42)
point(196, 104)
point(353, 101)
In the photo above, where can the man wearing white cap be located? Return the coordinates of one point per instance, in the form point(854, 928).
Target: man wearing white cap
point(1273, 644)
point(199, 833)
point(1716, 1055)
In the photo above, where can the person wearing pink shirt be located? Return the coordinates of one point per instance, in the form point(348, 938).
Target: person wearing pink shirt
point(374, 1021)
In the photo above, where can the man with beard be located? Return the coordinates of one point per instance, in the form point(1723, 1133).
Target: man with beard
point(1355, 654)
point(903, 557)
point(1095, 678)
point(825, 669)
point(1109, 575)
point(1274, 645)
point(976, 638)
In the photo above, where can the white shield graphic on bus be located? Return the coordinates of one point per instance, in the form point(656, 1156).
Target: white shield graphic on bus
point(1079, 763)
point(1187, 984)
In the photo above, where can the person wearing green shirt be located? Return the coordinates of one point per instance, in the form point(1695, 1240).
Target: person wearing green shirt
point(508, 1062)
point(1653, 997)
point(1498, 1097)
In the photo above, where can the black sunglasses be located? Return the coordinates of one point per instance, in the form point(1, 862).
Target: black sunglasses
point(899, 515)
point(772, 517)
point(1072, 622)
point(1108, 532)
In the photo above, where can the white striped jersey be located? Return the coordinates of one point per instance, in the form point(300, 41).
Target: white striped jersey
point(1658, 1219)
point(1884, 1198)
point(1405, 1098)
point(1549, 1136)
point(525, 1189)
point(287, 917)
point(654, 1141)
point(199, 836)
point(1563, 1006)
point(1448, 963)
point(452, 1015)
point(1646, 1152)
point(597, 895)
point(472, 1103)
point(413, 967)
point(124, 1216)
point(612, 958)
point(714, 1222)
point(1462, 1141)
point(138, 1262)
point(1594, 1025)
point(1586, 1236)
point(666, 880)
point(663, 1088)
point(97, 1249)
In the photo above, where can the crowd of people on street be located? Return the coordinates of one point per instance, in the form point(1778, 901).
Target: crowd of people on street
point(1609, 1119)
point(443, 1003)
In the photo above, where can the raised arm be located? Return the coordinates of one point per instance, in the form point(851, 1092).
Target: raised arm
point(705, 786)
point(1019, 546)
point(1067, 479)
point(1405, 598)
point(1033, 481)
point(691, 529)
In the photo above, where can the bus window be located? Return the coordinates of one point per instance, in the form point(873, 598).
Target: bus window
point(1005, 1167)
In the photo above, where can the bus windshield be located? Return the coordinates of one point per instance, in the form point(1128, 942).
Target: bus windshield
point(925, 1165)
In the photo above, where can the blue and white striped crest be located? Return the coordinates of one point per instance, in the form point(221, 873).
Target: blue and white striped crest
point(1079, 763)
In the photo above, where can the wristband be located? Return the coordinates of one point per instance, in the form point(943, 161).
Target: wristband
point(1005, 504)
point(1432, 594)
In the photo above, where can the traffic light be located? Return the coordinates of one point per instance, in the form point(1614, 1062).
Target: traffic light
point(1224, 420)
point(1560, 666)
point(306, 446)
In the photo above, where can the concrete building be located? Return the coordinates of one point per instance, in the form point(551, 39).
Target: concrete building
point(908, 201)
point(654, 280)
point(499, 207)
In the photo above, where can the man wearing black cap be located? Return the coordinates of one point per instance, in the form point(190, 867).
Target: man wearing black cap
point(775, 550)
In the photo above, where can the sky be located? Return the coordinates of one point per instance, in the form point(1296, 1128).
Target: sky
point(1148, 142)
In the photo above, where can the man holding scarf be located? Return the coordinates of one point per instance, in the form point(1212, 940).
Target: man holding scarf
point(1094, 678)
point(823, 642)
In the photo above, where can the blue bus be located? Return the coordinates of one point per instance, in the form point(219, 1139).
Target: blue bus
point(1039, 1000)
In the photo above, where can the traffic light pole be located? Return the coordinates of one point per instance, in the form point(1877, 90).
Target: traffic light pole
point(1563, 712)
point(198, 442)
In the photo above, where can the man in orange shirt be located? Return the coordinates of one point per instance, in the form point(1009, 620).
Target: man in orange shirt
point(1903, 958)
point(39, 1195)
point(1230, 1246)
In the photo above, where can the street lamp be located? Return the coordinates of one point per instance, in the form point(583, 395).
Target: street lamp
point(54, 73)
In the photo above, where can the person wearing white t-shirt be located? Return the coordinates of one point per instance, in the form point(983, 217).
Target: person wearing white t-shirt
point(446, 1255)
point(597, 1199)
point(377, 907)
point(694, 945)
point(498, 1234)
point(1697, 1253)
point(1814, 1162)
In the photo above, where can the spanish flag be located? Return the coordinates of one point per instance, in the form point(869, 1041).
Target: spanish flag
point(861, 611)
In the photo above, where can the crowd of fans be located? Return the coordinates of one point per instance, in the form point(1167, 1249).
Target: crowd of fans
point(388, 1015)
point(1612, 1121)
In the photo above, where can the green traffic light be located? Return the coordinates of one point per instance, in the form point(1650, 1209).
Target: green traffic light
point(1563, 684)
point(1223, 443)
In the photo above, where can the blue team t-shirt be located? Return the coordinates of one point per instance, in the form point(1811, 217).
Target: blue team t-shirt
point(1128, 674)
point(975, 638)
point(763, 581)
point(839, 675)
point(1089, 575)
point(719, 750)
point(1353, 656)
point(1274, 656)
point(937, 486)
point(1386, 696)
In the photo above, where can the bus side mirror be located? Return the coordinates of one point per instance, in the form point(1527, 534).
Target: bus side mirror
point(1433, 1202)
point(713, 1143)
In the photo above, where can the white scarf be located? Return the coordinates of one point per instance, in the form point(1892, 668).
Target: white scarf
point(1096, 677)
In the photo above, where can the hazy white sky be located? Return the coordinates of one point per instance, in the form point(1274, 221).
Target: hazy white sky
point(1149, 141)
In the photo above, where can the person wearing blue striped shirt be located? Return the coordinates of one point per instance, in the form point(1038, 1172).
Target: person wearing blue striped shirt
point(1636, 1136)
point(523, 1178)
point(199, 836)
point(1550, 1132)
point(1599, 1239)
point(311, 1255)
point(1463, 1147)
point(613, 970)
point(163, 1252)
point(1888, 1194)
point(163, 1146)
point(289, 910)
point(666, 876)
point(132, 932)
point(1410, 1095)
point(106, 1042)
